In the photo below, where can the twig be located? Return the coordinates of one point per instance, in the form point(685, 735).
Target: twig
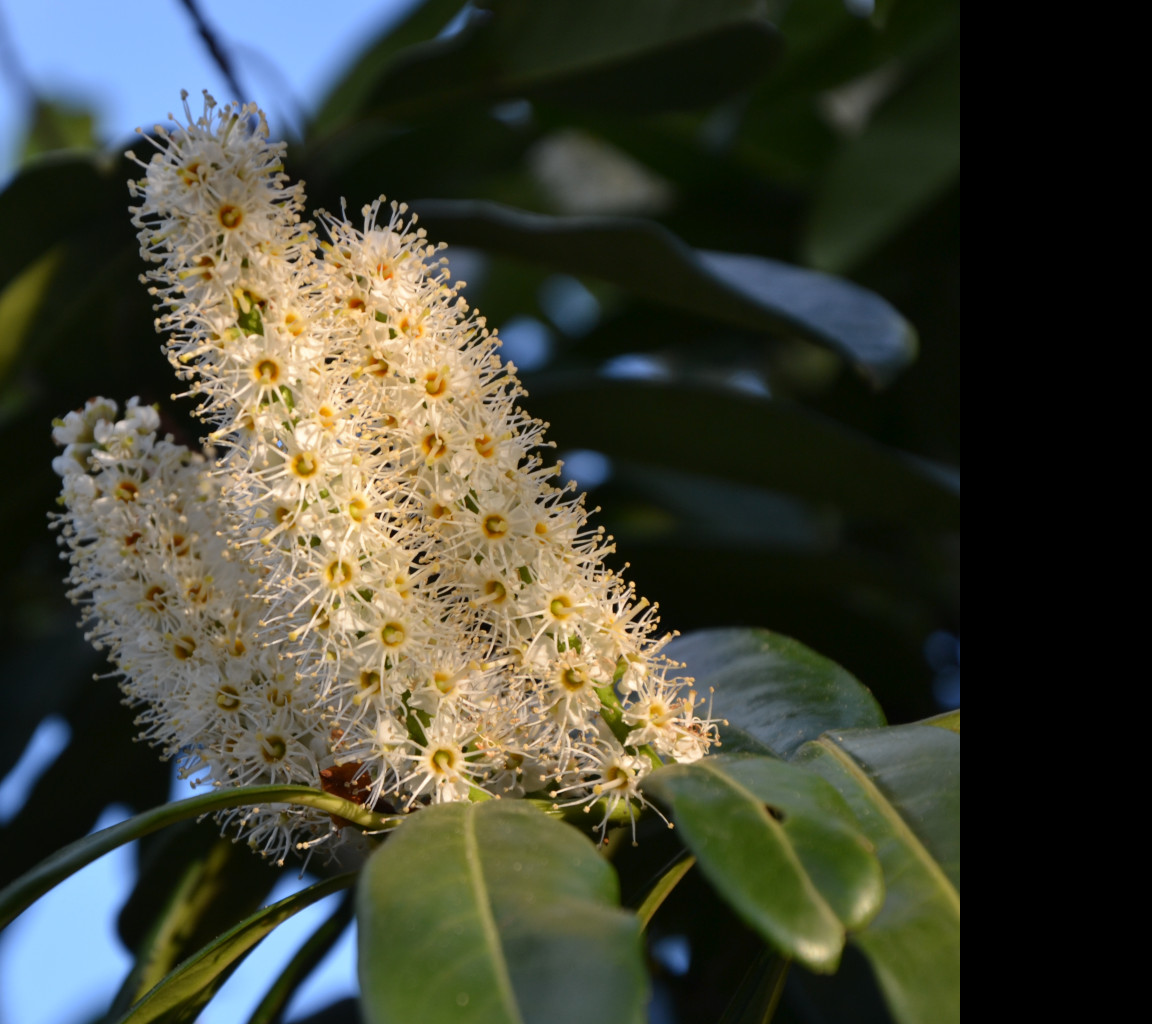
point(214, 48)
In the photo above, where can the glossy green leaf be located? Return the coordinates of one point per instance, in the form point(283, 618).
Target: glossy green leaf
point(775, 693)
point(903, 784)
point(644, 258)
point(780, 846)
point(191, 985)
point(504, 915)
point(29, 887)
point(193, 884)
point(307, 957)
point(589, 53)
point(768, 443)
point(908, 155)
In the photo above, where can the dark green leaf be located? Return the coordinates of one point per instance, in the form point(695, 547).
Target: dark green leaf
point(29, 887)
point(771, 444)
point(19, 302)
point(193, 885)
point(355, 90)
point(908, 155)
point(903, 784)
point(102, 731)
point(772, 690)
point(662, 889)
point(504, 915)
point(755, 1001)
point(46, 202)
point(188, 988)
point(272, 1006)
point(780, 846)
point(589, 53)
point(644, 258)
point(63, 664)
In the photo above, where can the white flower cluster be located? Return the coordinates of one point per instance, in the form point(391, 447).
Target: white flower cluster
point(373, 585)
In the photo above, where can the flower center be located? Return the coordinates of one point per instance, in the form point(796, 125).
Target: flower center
point(435, 447)
point(495, 526)
point(266, 371)
point(273, 748)
point(126, 490)
point(393, 634)
point(230, 216)
point(338, 573)
point(305, 465)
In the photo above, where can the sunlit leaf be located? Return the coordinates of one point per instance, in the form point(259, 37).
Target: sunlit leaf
point(504, 915)
point(903, 784)
point(780, 846)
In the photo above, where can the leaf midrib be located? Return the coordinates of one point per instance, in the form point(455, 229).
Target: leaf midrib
point(487, 918)
point(889, 813)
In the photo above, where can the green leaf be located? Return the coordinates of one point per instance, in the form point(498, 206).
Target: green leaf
point(16, 897)
point(354, 91)
point(903, 784)
point(662, 889)
point(57, 125)
point(756, 999)
point(275, 1001)
point(775, 693)
point(102, 732)
point(193, 884)
point(908, 155)
point(504, 915)
point(768, 443)
point(780, 846)
point(49, 200)
point(948, 720)
point(642, 257)
point(587, 53)
point(191, 985)
point(19, 302)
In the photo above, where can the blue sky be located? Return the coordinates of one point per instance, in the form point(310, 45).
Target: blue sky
point(128, 60)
